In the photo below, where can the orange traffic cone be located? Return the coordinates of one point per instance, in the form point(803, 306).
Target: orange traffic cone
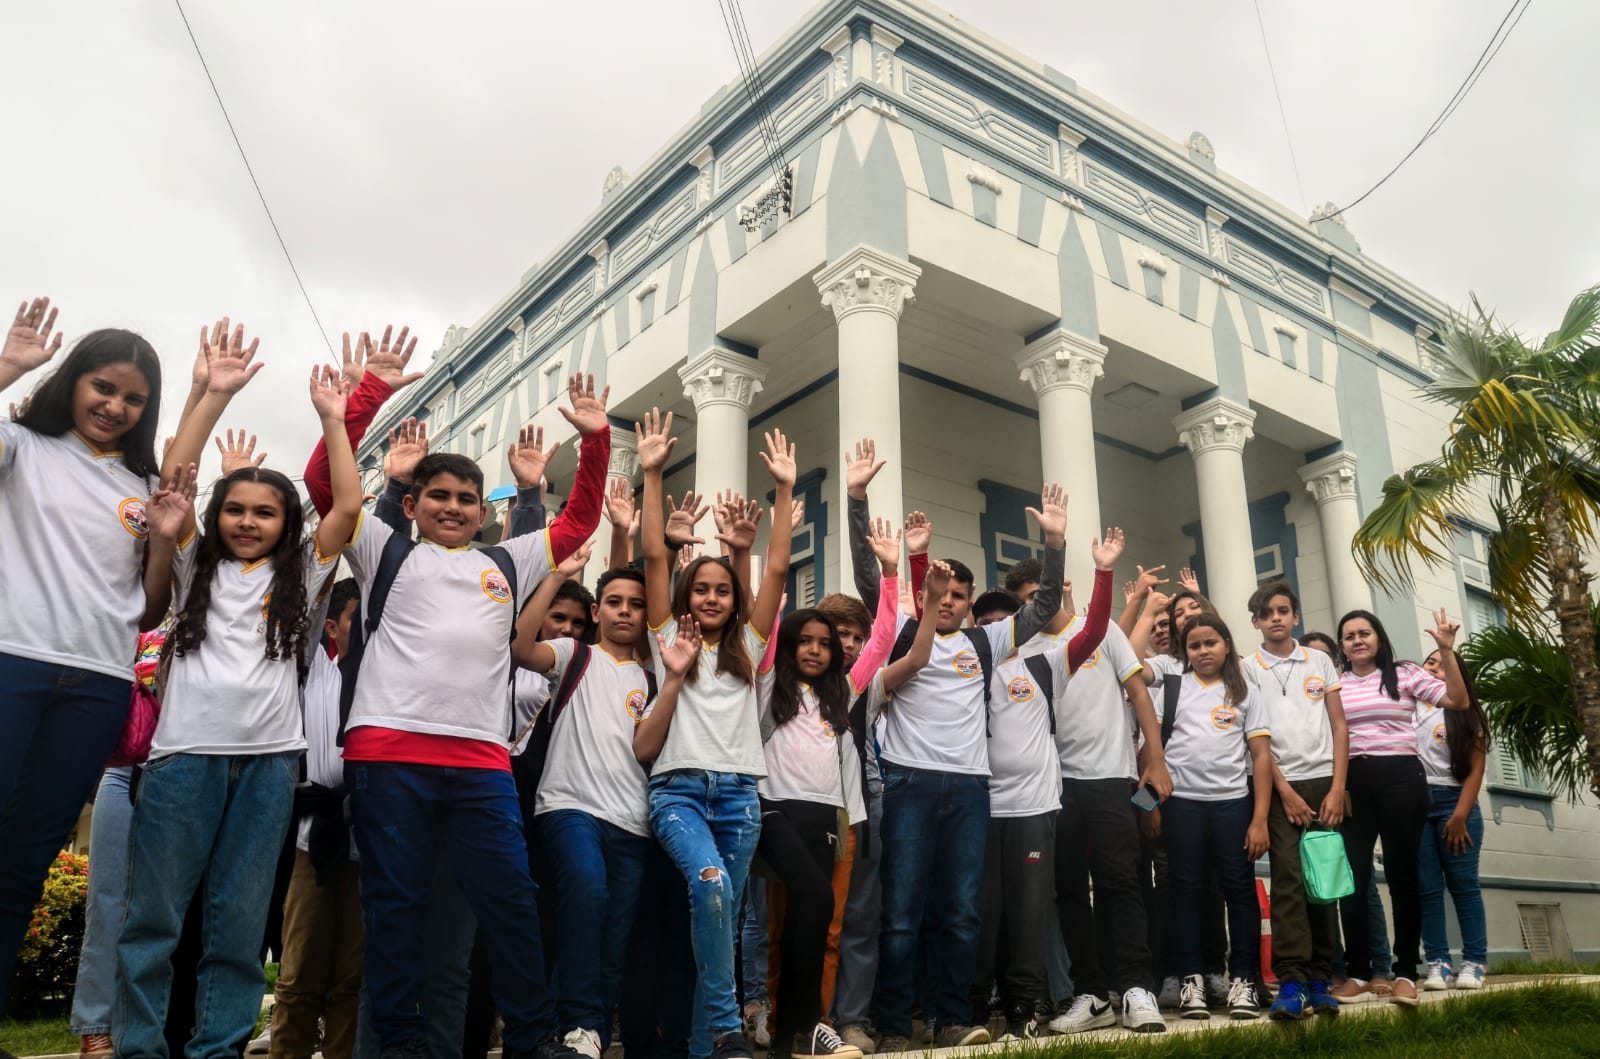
point(1266, 932)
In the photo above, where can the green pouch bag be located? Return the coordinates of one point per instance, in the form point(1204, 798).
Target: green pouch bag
point(1327, 869)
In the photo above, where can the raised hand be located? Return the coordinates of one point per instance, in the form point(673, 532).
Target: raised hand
point(1187, 579)
point(230, 364)
point(686, 557)
point(572, 566)
point(588, 412)
point(862, 468)
point(741, 517)
point(240, 453)
point(1108, 550)
point(385, 359)
point(919, 533)
point(884, 540)
point(170, 506)
point(1444, 630)
point(407, 446)
point(329, 393)
point(682, 519)
point(935, 582)
point(797, 514)
point(679, 655)
point(779, 458)
point(619, 504)
point(1151, 579)
point(528, 456)
point(20, 409)
point(1051, 515)
point(654, 439)
point(30, 343)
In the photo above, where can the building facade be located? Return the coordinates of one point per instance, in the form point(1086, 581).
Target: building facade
point(1004, 280)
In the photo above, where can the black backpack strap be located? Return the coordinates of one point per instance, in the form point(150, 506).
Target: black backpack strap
point(570, 677)
point(1171, 685)
point(365, 621)
point(1044, 676)
point(980, 646)
point(902, 642)
point(508, 567)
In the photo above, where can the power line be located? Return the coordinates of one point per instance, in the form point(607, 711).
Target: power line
point(248, 169)
point(761, 83)
point(1282, 114)
point(768, 133)
point(1502, 34)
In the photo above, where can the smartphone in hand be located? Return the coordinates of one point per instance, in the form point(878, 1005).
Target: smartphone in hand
point(1146, 798)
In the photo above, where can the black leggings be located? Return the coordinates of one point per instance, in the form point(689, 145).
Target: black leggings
point(1388, 799)
point(797, 842)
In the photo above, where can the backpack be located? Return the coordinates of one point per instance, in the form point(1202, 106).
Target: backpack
point(530, 763)
point(395, 551)
point(1169, 707)
point(1045, 678)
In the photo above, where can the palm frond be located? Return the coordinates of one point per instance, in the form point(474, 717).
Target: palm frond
point(1580, 325)
point(1518, 573)
point(1410, 519)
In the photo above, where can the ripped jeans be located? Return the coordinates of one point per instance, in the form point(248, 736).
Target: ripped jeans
point(708, 823)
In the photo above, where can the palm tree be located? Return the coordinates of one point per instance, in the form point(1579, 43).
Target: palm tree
point(1524, 436)
point(1524, 682)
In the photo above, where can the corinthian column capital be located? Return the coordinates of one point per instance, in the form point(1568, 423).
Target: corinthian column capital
point(1215, 424)
point(1059, 359)
point(722, 377)
point(867, 280)
point(1331, 478)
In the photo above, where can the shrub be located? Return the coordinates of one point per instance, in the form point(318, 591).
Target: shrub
point(47, 965)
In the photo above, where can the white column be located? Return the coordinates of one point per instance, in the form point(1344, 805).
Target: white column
point(1332, 480)
point(1215, 432)
point(867, 290)
point(721, 383)
point(1061, 367)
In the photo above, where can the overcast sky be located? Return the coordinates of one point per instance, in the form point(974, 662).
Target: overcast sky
point(419, 157)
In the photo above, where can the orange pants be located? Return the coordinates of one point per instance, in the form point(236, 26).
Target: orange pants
point(776, 904)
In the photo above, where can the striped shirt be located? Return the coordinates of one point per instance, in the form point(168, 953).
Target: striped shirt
point(1381, 726)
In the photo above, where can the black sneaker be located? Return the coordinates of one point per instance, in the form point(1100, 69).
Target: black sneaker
point(822, 1042)
point(731, 1046)
point(415, 1049)
point(552, 1047)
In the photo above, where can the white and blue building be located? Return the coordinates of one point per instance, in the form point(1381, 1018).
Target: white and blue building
point(1003, 279)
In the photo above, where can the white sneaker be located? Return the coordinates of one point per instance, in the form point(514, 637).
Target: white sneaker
point(262, 1045)
point(1471, 976)
point(1088, 1012)
point(1171, 993)
point(584, 1042)
point(1438, 978)
point(755, 1024)
point(1140, 1013)
point(1243, 1000)
point(1192, 998)
point(823, 1041)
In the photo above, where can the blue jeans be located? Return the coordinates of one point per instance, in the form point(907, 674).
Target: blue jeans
point(1439, 868)
point(1197, 833)
point(447, 933)
point(96, 989)
point(599, 868)
point(405, 817)
point(935, 830)
point(58, 725)
point(753, 934)
point(213, 824)
point(708, 824)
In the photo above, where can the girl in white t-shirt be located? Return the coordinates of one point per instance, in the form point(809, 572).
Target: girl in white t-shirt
point(1219, 746)
point(77, 463)
point(213, 803)
point(704, 808)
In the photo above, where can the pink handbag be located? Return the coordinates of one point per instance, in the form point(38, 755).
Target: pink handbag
point(134, 746)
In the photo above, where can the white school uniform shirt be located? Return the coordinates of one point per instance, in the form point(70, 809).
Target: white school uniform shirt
point(936, 720)
point(1433, 745)
point(1293, 689)
point(590, 766)
point(324, 759)
point(530, 694)
point(807, 760)
point(716, 724)
point(72, 538)
point(1207, 755)
point(1024, 777)
point(1093, 738)
point(226, 696)
point(440, 660)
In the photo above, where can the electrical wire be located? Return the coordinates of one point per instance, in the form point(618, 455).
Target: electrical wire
point(284, 246)
point(768, 134)
point(761, 82)
point(1282, 114)
point(1502, 34)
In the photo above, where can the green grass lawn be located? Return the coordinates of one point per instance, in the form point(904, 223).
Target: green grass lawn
point(37, 1037)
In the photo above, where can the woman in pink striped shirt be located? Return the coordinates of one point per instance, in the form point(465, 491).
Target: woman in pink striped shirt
point(1387, 788)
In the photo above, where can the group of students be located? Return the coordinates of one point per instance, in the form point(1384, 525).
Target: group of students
point(497, 782)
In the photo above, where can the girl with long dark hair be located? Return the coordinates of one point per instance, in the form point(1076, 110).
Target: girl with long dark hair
point(1387, 787)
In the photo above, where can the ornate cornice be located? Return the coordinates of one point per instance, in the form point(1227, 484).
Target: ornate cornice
point(1215, 424)
point(1331, 478)
point(722, 377)
point(866, 279)
point(1061, 359)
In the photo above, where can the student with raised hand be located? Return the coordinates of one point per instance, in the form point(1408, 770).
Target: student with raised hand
point(373, 372)
point(427, 746)
point(935, 759)
point(214, 801)
point(1218, 749)
point(707, 751)
point(1311, 752)
point(1388, 787)
point(1454, 747)
point(77, 466)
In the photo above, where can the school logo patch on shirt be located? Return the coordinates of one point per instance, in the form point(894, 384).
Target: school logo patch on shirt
point(826, 727)
point(1315, 688)
point(966, 663)
point(131, 512)
point(1224, 716)
point(1094, 660)
point(1439, 736)
point(635, 705)
point(1020, 689)
point(495, 586)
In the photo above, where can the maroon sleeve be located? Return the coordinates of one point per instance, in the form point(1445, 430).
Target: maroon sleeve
point(368, 397)
point(919, 571)
point(580, 516)
point(1084, 645)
